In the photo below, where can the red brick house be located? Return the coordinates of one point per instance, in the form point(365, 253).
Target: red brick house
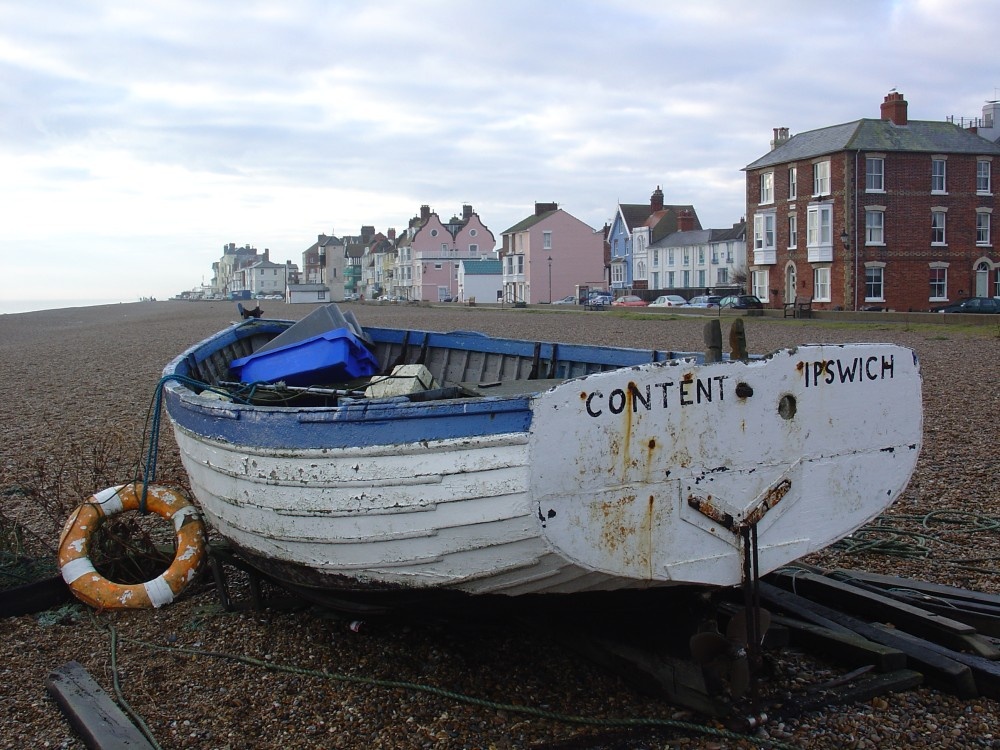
point(890, 213)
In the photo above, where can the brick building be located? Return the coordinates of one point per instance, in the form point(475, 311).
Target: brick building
point(890, 213)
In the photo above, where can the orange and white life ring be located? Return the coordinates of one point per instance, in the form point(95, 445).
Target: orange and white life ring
point(91, 587)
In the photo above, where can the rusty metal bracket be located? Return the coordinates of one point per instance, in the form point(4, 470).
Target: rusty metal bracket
point(751, 517)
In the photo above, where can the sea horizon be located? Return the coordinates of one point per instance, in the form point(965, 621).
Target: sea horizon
point(35, 305)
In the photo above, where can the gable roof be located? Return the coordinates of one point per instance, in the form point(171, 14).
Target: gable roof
point(701, 236)
point(264, 263)
point(660, 222)
point(530, 221)
point(683, 239)
point(918, 136)
point(735, 232)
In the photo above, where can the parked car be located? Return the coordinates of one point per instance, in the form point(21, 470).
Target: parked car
point(669, 300)
point(972, 305)
point(599, 299)
point(705, 300)
point(629, 300)
point(352, 297)
point(570, 300)
point(742, 302)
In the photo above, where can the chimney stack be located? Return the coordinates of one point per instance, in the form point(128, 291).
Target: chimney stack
point(656, 200)
point(685, 221)
point(425, 213)
point(780, 138)
point(894, 108)
point(467, 212)
point(544, 208)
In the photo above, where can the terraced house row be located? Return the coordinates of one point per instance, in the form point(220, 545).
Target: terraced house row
point(885, 213)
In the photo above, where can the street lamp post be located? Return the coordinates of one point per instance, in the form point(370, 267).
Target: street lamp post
point(550, 279)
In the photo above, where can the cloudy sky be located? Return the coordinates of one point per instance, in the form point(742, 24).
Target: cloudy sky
point(137, 138)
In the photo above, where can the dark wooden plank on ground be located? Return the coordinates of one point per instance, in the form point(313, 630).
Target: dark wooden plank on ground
point(980, 611)
point(34, 597)
point(924, 587)
point(985, 672)
point(99, 721)
point(878, 607)
point(799, 606)
point(938, 669)
point(863, 689)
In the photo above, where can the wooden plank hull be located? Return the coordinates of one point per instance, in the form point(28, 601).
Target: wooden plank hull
point(637, 469)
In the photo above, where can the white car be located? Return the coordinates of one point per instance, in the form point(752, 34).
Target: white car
point(669, 300)
point(570, 300)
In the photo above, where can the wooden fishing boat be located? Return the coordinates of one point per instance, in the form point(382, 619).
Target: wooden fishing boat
point(533, 467)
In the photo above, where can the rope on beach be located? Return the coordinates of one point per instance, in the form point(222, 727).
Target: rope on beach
point(153, 426)
point(913, 537)
point(593, 721)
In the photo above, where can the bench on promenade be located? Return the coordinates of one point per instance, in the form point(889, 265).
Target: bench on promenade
point(801, 307)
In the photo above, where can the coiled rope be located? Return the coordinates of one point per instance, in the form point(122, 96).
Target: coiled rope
point(913, 537)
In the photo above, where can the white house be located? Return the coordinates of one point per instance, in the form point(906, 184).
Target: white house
point(306, 293)
point(698, 259)
point(265, 277)
point(481, 280)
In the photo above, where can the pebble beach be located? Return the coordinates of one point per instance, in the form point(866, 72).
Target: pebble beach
point(78, 389)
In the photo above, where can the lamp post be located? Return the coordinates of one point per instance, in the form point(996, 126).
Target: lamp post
point(550, 279)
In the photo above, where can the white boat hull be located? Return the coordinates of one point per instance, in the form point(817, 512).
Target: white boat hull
point(648, 475)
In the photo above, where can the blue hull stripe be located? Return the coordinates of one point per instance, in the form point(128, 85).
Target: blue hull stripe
point(351, 426)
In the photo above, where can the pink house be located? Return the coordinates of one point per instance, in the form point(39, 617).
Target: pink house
point(436, 250)
point(550, 255)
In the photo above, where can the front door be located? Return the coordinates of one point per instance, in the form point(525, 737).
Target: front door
point(790, 282)
point(982, 280)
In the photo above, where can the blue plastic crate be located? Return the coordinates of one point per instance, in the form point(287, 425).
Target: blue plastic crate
point(335, 356)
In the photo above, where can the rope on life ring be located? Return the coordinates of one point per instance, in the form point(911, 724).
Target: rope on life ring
point(91, 587)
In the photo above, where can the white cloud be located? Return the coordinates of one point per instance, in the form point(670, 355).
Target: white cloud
point(162, 131)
